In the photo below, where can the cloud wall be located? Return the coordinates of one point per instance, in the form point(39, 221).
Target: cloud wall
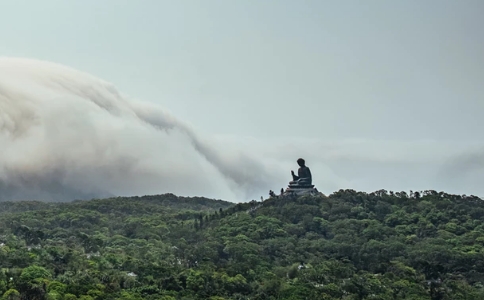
point(65, 134)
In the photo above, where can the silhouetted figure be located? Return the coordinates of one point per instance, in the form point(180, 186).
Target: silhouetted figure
point(301, 183)
point(303, 177)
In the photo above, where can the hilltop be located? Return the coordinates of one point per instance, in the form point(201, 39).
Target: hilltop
point(144, 202)
point(349, 245)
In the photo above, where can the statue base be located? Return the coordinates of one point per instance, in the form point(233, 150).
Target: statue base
point(298, 186)
point(293, 191)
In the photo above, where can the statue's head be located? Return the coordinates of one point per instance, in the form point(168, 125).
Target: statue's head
point(301, 162)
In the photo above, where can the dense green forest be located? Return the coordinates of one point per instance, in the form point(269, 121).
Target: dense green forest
point(348, 245)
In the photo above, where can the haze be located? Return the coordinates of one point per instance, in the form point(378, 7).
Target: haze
point(218, 99)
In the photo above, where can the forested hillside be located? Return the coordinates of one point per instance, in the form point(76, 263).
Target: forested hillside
point(349, 245)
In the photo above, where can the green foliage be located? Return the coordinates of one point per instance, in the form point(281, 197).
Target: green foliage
point(11, 294)
point(33, 273)
point(350, 245)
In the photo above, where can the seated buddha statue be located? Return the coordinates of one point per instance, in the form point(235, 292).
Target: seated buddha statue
point(303, 178)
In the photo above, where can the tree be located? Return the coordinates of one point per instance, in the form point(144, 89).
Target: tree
point(33, 282)
point(11, 294)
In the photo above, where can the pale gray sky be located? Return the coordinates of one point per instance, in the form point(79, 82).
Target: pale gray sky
point(399, 76)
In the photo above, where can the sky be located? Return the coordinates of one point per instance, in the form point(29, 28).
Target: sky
point(372, 94)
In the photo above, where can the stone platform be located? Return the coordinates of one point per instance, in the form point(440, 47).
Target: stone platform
point(299, 191)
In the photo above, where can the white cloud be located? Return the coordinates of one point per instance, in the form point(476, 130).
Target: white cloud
point(66, 134)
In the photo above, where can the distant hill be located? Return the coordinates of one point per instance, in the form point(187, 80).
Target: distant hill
point(43, 188)
point(349, 245)
point(164, 200)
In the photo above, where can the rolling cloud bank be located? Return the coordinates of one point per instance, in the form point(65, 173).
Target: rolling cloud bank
point(67, 135)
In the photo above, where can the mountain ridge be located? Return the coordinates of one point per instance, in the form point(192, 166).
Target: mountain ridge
point(347, 245)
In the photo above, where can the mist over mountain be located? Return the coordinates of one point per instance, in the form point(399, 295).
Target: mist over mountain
point(67, 135)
